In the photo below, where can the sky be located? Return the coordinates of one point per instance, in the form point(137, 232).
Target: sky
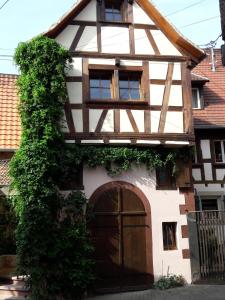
point(21, 20)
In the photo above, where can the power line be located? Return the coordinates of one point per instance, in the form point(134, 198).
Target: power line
point(211, 43)
point(201, 21)
point(4, 4)
point(184, 8)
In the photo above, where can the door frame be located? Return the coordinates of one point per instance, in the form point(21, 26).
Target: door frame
point(129, 186)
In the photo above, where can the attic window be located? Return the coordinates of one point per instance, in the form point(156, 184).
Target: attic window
point(113, 11)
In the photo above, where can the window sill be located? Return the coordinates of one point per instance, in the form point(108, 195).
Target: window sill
point(119, 102)
point(169, 188)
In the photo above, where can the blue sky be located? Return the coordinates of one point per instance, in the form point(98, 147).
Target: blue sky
point(21, 20)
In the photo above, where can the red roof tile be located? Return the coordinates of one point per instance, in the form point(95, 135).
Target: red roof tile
point(213, 113)
point(9, 118)
point(4, 169)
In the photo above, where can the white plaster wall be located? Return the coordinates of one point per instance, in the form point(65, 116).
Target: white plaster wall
point(140, 15)
point(101, 61)
point(208, 171)
point(94, 116)
point(88, 40)
point(115, 40)
point(164, 208)
point(156, 94)
point(108, 125)
point(139, 119)
point(220, 173)
point(125, 125)
point(78, 119)
point(142, 44)
point(205, 147)
point(164, 45)
point(174, 122)
point(74, 92)
point(75, 67)
point(211, 188)
point(65, 38)
point(176, 97)
point(158, 70)
point(196, 173)
point(88, 13)
point(137, 63)
point(155, 117)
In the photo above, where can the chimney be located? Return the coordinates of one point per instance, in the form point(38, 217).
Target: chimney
point(222, 13)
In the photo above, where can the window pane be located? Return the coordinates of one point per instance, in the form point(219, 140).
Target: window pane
point(134, 84)
point(218, 151)
point(195, 98)
point(124, 94)
point(106, 94)
point(169, 235)
point(105, 83)
point(109, 17)
point(95, 93)
point(123, 83)
point(94, 83)
point(135, 94)
point(117, 17)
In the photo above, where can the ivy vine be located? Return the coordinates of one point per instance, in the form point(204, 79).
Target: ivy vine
point(119, 159)
point(53, 247)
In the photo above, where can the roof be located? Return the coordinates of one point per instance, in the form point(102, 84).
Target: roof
point(161, 22)
point(4, 171)
point(213, 112)
point(198, 78)
point(9, 117)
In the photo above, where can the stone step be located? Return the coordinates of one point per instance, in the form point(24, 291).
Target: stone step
point(13, 290)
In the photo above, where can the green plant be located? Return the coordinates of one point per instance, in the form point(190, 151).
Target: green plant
point(118, 159)
point(169, 281)
point(54, 253)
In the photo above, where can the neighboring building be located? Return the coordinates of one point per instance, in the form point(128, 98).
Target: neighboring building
point(209, 123)
point(9, 126)
point(129, 85)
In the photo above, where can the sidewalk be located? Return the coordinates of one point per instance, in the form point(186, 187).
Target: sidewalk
point(195, 292)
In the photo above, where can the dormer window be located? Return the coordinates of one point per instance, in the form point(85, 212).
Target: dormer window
point(113, 11)
point(196, 99)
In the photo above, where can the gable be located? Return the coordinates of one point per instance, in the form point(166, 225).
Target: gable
point(153, 34)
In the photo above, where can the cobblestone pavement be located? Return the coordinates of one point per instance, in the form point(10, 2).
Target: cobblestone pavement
point(195, 292)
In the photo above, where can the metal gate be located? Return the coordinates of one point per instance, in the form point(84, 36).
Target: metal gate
point(207, 245)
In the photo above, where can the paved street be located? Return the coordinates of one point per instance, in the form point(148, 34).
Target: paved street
point(196, 292)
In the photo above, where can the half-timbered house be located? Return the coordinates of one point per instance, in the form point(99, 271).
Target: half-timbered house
point(129, 84)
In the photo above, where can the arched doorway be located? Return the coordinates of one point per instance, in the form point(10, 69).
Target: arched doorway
point(121, 233)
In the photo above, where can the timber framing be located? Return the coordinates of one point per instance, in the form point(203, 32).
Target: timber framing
point(195, 53)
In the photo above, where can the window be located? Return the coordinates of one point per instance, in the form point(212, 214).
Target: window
point(209, 204)
point(113, 11)
point(169, 235)
point(196, 99)
point(101, 86)
point(115, 85)
point(165, 179)
point(219, 150)
point(130, 86)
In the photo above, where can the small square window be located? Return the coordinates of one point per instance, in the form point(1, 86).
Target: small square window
point(196, 99)
point(169, 235)
point(165, 179)
point(209, 204)
point(113, 11)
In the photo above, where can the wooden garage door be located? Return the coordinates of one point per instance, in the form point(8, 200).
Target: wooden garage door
point(119, 232)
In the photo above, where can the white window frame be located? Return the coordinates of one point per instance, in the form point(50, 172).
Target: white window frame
point(199, 104)
point(222, 150)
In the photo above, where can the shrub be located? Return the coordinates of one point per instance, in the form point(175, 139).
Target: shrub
point(169, 281)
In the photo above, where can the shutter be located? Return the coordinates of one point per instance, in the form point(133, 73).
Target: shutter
point(183, 176)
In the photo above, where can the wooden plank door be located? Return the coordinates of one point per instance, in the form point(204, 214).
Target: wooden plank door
point(119, 236)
